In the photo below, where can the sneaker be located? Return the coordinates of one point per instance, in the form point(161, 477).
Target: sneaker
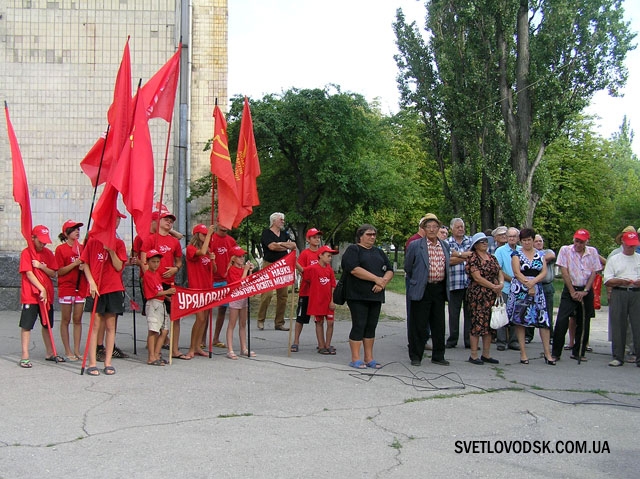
point(616, 363)
point(100, 354)
point(118, 353)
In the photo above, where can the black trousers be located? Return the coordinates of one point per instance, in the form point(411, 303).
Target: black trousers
point(428, 313)
point(583, 313)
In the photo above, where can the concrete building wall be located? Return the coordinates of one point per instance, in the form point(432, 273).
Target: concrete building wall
point(58, 64)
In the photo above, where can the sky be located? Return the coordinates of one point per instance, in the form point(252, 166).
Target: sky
point(275, 45)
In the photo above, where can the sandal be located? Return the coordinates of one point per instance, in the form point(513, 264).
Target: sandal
point(25, 363)
point(232, 355)
point(72, 357)
point(109, 370)
point(359, 364)
point(247, 353)
point(324, 351)
point(332, 350)
point(219, 344)
point(373, 364)
point(157, 362)
point(294, 348)
point(93, 371)
point(56, 359)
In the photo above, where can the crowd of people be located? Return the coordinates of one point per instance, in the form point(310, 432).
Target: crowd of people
point(444, 267)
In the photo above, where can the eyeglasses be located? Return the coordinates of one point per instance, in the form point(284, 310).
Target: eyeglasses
point(371, 234)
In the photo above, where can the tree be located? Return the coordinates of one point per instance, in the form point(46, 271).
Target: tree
point(325, 158)
point(524, 69)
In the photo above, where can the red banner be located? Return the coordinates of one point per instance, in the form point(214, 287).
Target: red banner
point(275, 276)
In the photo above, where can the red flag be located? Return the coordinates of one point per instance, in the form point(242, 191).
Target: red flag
point(133, 173)
point(119, 117)
point(221, 167)
point(20, 185)
point(247, 167)
point(159, 93)
point(105, 216)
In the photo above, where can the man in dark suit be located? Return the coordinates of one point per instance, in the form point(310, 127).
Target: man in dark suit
point(426, 265)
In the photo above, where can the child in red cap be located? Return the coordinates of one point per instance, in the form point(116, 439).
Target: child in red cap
point(36, 292)
point(237, 271)
point(321, 282)
point(157, 317)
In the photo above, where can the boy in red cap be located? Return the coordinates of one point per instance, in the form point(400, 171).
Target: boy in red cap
point(307, 258)
point(157, 319)
point(321, 282)
point(36, 292)
point(237, 271)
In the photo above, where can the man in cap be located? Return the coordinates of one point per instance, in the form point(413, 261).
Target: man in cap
point(499, 236)
point(36, 292)
point(418, 236)
point(506, 336)
point(579, 265)
point(459, 244)
point(427, 268)
point(622, 275)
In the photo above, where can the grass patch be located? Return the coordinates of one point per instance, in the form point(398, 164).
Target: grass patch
point(396, 444)
point(396, 284)
point(226, 416)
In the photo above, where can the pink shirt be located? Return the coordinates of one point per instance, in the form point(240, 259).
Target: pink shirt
point(580, 266)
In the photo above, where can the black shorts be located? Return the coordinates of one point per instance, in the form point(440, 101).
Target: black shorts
point(29, 314)
point(111, 303)
point(301, 314)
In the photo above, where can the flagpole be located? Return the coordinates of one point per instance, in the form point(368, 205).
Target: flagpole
point(133, 287)
point(213, 220)
point(249, 301)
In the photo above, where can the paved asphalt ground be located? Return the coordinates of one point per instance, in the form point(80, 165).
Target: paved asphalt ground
point(308, 415)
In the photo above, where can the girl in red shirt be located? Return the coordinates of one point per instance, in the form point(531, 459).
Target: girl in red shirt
point(200, 268)
point(237, 271)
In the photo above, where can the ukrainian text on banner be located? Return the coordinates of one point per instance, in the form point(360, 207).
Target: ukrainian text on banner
point(275, 276)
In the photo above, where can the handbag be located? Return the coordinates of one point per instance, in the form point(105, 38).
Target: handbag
point(499, 316)
point(339, 292)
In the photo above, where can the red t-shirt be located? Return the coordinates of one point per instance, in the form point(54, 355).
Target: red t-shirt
point(65, 255)
point(321, 281)
point(234, 274)
point(221, 246)
point(198, 269)
point(151, 285)
point(306, 259)
point(104, 274)
point(169, 247)
point(29, 294)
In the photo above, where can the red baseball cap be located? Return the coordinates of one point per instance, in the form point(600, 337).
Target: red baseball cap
point(167, 214)
point(70, 224)
point(200, 229)
point(326, 249)
point(582, 235)
point(152, 253)
point(313, 232)
point(630, 239)
point(42, 233)
point(237, 251)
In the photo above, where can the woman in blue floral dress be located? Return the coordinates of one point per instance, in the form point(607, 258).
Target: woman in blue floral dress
point(526, 306)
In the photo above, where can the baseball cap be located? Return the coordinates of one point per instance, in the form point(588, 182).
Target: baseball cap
point(500, 230)
point(70, 224)
point(326, 249)
point(237, 251)
point(152, 253)
point(200, 229)
point(120, 214)
point(630, 239)
point(582, 235)
point(167, 214)
point(313, 232)
point(429, 217)
point(42, 233)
